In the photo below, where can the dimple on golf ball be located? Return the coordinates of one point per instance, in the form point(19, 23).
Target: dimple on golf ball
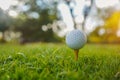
point(76, 39)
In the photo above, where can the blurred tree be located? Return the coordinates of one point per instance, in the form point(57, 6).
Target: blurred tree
point(4, 23)
point(112, 26)
point(31, 20)
point(94, 37)
point(108, 33)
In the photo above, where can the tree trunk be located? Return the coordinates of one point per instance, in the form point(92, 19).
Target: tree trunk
point(3, 37)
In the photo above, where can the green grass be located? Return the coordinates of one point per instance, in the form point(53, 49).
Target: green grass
point(56, 62)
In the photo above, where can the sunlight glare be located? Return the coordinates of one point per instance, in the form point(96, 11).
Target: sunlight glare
point(5, 4)
point(66, 16)
point(106, 4)
point(118, 33)
point(13, 13)
point(101, 31)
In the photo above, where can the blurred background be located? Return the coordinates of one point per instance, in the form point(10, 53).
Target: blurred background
point(25, 21)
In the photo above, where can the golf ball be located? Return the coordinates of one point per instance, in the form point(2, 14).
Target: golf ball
point(76, 39)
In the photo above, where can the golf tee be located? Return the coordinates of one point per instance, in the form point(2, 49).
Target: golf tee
point(76, 54)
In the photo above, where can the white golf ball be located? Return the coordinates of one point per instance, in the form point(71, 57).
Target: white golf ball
point(76, 39)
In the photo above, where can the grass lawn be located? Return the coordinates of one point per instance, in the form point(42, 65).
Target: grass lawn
point(56, 62)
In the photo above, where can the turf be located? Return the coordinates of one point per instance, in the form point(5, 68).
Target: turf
point(56, 62)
